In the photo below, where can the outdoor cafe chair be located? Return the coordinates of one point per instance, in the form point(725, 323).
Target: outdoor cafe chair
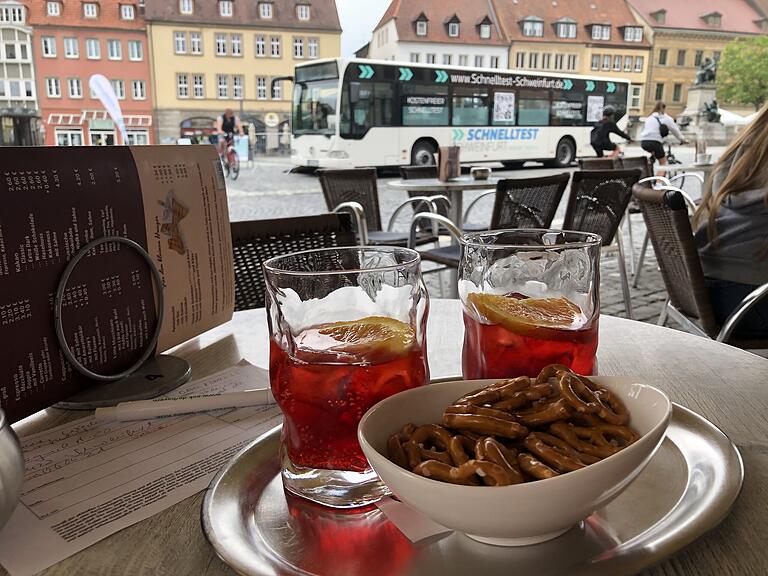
point(440, 203)
point(597, 204)
point(255, 241)
point(665, 211)
point(355, 190)
point(598, 164)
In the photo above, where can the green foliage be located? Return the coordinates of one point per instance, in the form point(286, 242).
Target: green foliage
point(742, 75)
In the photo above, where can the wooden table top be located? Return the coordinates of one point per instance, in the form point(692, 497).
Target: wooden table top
point(726, 385)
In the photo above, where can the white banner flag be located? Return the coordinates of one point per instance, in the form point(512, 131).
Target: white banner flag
point(102, 89)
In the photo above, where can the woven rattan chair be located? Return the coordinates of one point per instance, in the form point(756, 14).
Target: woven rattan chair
point(356, 191)
point(519, 203)
point(644, 164)
point(666, 216)
point(597, 204)
point(598, 163)
point(255, 241)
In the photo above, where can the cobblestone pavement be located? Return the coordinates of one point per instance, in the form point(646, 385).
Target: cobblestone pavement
point(269, 190)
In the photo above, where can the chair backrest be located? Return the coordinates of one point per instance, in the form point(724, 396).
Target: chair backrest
point(598, 163)
point(255, 241)
point(416, 172)
point(666, 218)
point(642, 163)
point(528, 202)
point(355, 185)
point(598, 201)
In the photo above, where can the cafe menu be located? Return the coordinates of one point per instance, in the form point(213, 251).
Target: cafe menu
point(171, 200)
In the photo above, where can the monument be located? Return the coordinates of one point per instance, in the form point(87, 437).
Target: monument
point(701, 117)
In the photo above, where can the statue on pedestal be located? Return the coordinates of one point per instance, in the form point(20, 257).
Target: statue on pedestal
point(707, 72)
point(712, 111)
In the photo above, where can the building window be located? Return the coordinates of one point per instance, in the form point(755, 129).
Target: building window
point(53, 87)
point(663, 57)
point(660, 91)
point(198, 86)
point(639, 62)
point(533, 60)
point(714, 19)
point(606, 61)
point(265, 10)
point(186, 6)
point(75, 87)
point(479, 61)
point(636, 94)
point(135, 51)
point(566, 29)
point(677, 92)
point(546, 61)
point(559, 62)
point(572, 61)
point(698, 57)
point(92, 48)
point(182, 86)
point(463, 60)
point(114, 50)
point(225, 8)
point(180, 42)
point(12, 14)
point(313, 47)
point(617, 63)
point(127, 12)
point(716, 55)
point(71, 49)
point(421, 28)
point(274, 46)
point(196, 43)
point(633, 34)
point(601, 32)
point(69, 137)
point(277, 90)
point(137, 137)
point(49, 46)
point(681, 57)
point(237, 87)
point(415, 56)
point(222, 86)
point(494, 61)
point(261, 46)
point(221, 44)
point(119, 88)
point(53, 8)
point(431, 59)
point(236, 42)
point(533, 28)
point(485, 31)
point(298, 47)
point(138, 90)
point(261, 88)
point(453, 29)
point(447, 59)
point(302, 11)
point(90, 10)
point(595, 62)
point(627, 63)
point(520, 60)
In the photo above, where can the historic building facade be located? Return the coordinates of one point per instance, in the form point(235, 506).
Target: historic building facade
point(72, 42)
point(210, 55)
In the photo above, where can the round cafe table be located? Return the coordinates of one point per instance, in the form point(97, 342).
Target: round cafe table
point(724, 384)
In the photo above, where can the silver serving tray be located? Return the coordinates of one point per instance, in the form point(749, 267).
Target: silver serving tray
point(686, 490)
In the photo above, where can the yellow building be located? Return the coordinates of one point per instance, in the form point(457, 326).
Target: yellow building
point(209, 55)
point(684, 37)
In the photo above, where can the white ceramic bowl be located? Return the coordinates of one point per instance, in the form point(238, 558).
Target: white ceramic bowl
point(521, 514)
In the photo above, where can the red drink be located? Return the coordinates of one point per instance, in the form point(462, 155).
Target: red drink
point(336, 373)
point(518, 336)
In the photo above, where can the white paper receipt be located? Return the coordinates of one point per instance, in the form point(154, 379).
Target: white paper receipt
point(88, 479)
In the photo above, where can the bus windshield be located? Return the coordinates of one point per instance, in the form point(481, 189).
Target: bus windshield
point(314, 99)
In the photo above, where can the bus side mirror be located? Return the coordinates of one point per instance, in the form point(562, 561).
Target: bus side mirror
point(354, 92)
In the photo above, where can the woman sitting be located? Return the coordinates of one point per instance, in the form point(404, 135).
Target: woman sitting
point(600, 137)
point(732, 228)
point(657, 127)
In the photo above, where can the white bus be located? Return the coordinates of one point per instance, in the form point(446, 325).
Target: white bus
point(359, 113)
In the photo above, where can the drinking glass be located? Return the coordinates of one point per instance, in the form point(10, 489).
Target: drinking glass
point(530, 298)
point(348, 329)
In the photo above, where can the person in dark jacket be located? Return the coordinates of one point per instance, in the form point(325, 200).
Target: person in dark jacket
point(600, 137)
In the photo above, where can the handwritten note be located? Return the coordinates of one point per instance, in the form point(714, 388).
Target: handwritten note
point(87, 479)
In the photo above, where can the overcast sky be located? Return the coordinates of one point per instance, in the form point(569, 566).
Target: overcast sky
point(358, 17)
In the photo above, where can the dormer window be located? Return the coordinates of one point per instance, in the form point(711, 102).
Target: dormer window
point(485, 31)
point(90, 10)
point(533, 27)
point(714, 19)
point(302, 11)
point(762, 23)
point(633, 34)
point(566, 28)
point(186, 6)
point(226, 7)
point(660, 16)
point(601, 32)
point(453, 26)
point(127, 12)
point(53, 8)
point(265, 10)
point(421, 25)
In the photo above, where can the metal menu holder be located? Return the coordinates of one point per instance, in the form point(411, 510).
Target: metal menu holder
point(109, 256)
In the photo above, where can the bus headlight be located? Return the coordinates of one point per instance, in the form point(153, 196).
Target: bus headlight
point(338, 154)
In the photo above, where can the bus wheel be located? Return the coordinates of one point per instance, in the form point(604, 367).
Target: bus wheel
point(565, 153)
point(423, 154)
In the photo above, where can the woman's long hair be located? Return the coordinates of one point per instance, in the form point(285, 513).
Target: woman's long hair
point(744, 166)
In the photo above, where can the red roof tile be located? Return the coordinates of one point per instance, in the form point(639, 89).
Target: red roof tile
point(737, 15)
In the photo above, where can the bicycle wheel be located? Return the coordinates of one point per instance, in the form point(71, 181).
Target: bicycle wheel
point(235, 167)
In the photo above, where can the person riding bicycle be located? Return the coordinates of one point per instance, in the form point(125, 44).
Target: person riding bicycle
point(657, 127)
point(226, 126)
point(600, 138)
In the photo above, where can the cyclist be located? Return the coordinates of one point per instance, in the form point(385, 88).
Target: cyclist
point(600, 138)
point(657, 127)
point(226, 126)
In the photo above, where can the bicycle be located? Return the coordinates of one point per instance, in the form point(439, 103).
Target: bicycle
point(229, 159)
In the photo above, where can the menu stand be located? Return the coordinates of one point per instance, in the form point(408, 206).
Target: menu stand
point(148, 377)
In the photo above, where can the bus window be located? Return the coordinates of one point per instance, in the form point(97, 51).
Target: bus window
point(567, 108)
point(504, 108)
point(470, 107)
point(425, 105)
point(533, 108)
point(314, 107)
point(365, 105)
